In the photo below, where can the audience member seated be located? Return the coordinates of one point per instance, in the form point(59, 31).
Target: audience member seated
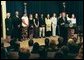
point(15, 45)
point(73, 47)
point(60, 44)
point(35, 48)
point(30, 43)
point(24, 53)
point(53, 45)
point(47, 42)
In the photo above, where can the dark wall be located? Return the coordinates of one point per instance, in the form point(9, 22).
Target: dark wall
point(75, 7)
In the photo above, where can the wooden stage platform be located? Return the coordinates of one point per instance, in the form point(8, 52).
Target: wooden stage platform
point(24, 44)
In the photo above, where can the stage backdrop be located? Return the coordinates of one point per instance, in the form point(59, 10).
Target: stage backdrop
point(45, 7)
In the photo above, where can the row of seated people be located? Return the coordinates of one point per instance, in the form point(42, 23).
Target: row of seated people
point(48, 51)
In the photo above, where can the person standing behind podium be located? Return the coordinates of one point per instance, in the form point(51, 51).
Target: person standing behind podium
point(54, 24)
point(42, 26)
point(25, 24)
point(36, 26)
point(8, 22)
point(48, 25)
point(63, 24)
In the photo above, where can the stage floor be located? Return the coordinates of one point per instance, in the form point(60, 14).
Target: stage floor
point(24, 44)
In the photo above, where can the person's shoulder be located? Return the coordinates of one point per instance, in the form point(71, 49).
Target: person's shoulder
point(22, 17)
point(59, 18)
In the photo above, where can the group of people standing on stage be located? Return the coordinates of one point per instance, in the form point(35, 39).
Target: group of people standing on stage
point(38, 25)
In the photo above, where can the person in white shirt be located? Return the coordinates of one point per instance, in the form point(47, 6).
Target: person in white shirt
point(48, 25)
point(54, 24)
point(73, 19)
point(73, 22)
point(25, 24)
point(24, 20)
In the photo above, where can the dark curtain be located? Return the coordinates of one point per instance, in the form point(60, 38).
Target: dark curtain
point(45, 7)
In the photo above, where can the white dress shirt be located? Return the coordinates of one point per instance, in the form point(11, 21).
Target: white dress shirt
point(73, 20)
point(25, 18)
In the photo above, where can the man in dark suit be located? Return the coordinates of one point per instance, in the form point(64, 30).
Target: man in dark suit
point(8, 22)
point(16, 26)
point(63, 25)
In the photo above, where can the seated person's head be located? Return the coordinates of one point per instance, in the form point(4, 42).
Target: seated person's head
point(73, 47)
point(30, 42)
point(36, 44)
point(47, 41)
point(70, 41)
point(52, 43)
point(35, 47)
point(8, 39)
